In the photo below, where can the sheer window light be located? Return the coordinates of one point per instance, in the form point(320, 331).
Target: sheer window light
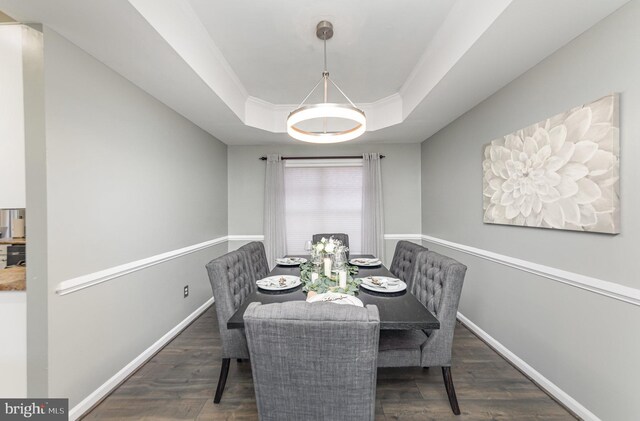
point(323, 197)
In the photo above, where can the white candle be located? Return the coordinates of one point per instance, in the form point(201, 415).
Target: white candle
point(314, 277)
point(327, 267)
point(343, 278)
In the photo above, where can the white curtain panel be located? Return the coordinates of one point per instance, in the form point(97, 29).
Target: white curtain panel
point(372, 206)
point(275, 234)
point(319, 200)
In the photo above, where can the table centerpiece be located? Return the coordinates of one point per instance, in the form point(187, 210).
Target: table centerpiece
point(328, 269)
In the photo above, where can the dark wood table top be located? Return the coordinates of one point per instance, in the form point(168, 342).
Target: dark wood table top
point(397, 311)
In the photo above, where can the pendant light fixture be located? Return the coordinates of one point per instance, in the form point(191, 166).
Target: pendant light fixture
point(325, 122)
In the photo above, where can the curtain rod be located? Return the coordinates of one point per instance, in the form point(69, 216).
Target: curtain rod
point(264, 158)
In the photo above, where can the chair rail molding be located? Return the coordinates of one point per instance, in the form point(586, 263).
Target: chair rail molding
point(606, 288)
point(408, 237)
point(246, 237)
point(95, 278)
point(257, 237)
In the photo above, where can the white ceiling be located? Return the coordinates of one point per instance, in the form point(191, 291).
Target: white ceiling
point(272, 46)
point(236, 67)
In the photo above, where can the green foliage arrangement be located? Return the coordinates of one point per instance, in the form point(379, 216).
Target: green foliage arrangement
point(326, 284)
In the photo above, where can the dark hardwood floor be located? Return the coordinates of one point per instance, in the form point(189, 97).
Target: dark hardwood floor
point(180, 381)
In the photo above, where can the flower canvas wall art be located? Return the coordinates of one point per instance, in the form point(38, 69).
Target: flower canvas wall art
point(561, 173)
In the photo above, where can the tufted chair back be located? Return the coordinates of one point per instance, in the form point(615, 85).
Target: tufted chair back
point(344, 239)
point(404, 261)
point(257, 259)
point(438, 284)
point(231, 282)
point(313, 361)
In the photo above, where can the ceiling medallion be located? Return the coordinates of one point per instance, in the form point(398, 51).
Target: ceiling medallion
point(326, 114)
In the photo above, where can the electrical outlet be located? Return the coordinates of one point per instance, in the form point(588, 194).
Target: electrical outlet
point(186, 291)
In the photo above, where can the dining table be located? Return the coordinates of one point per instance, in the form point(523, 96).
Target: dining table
point(398, 311)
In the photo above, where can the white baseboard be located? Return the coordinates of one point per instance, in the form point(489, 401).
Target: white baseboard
point(576, 407)
point(107, 387)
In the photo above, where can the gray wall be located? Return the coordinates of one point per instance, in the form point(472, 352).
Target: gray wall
point(127, 178)
point(400, 184)
point(585, 343)
point(36, 184)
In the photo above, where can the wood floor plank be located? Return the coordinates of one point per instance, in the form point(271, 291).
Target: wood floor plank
point(115, 409)
point(502, 410)
point(179, 383)
point(397, 389)
point(227, 410)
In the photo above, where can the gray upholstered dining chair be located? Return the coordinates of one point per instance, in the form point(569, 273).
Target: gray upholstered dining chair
point(344, 238)
point(313, 361)
point(257, 259)
point(231, 282)
point(437, 284)
point(404, 260)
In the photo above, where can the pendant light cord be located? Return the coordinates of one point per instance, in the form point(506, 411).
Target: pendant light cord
point(325, 77)
point(343, 94)
point(309, 94)
point(325, 52)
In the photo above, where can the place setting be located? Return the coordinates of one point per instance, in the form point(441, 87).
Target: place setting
point(290, 261)
point(366, 262)
point(383, 284)
point(335, 298)
point(279, 282)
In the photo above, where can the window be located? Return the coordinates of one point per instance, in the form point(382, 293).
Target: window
point(323, 196)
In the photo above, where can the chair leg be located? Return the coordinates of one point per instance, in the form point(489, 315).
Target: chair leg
point(224, 371)
point(451, 391)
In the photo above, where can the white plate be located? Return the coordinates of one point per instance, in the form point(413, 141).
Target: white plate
point(290, 261)
point(272, 283)
point(336, 298)
point(388, 285)
point(365, 262)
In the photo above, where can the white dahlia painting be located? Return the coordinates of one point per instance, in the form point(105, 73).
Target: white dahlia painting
point(561, 173)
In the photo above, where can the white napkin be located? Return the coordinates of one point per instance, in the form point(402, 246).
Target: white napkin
point(366, 260)
point(289, 260)
point(380, 282)
point(336, 298)
point(272, 282)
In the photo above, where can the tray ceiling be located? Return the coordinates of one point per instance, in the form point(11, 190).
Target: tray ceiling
point(237, 68)
point(273, 49)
